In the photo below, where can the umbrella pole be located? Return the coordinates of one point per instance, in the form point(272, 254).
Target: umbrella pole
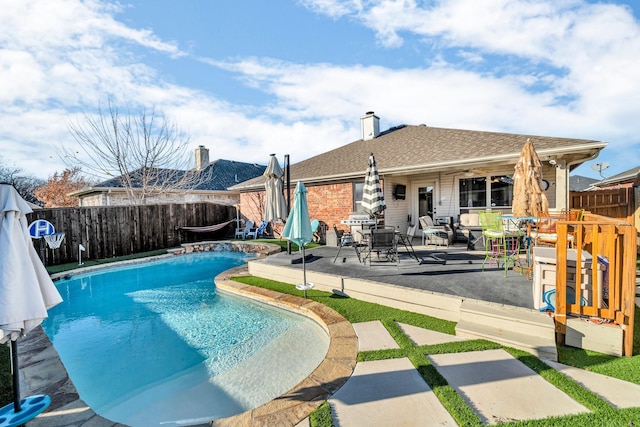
point(288, 171)
point(304, 274)
point(16, 377)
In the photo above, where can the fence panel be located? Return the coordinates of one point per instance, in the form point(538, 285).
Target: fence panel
point(109, 231)
point(615, 203)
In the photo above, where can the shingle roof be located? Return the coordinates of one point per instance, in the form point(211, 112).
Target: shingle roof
point(628, 176)
point(223, 174)
point(410, 148)
point(226, 173)
point(580, 183)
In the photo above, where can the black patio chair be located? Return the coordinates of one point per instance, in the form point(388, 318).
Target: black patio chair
point(383, 241)
point(346, 239)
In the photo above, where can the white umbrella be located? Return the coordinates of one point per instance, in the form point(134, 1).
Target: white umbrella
point(275, 205)
point(26, 290)
point(372, 198)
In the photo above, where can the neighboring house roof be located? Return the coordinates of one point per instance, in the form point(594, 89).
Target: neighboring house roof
point(221, 175)
point(227, 173)
point(627, 176)
point(410, 149)
point(580, 183)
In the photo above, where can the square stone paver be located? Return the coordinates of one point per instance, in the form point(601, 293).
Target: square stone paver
point(373, 336)
point(422, 336)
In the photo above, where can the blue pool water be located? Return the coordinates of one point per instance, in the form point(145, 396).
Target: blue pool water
point(155, 344)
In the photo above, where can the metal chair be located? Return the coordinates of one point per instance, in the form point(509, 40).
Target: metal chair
point(500, 244)
point(346, 239)
point(383, 241)
point(406, 241)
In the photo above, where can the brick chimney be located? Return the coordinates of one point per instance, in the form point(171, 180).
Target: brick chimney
point(202, 157)
point(370, 126)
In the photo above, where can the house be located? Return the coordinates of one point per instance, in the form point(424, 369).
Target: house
point(628, 178)
point(212, 184)
point(580, 183)
point(427, 170)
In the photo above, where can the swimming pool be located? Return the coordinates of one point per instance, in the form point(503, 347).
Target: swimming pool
point(155, 344)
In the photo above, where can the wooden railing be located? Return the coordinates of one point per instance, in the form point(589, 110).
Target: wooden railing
point(612, 245)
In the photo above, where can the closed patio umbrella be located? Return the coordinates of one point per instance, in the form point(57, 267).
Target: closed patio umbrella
point(372, 198)
point(298, 229)
point(528, 195)
point(26, 293)
point(275, 205)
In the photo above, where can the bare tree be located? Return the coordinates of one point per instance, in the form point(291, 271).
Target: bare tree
point(146, 152)
point(25, 185)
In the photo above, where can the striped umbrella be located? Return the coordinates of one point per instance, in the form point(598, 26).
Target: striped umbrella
point(372, 197)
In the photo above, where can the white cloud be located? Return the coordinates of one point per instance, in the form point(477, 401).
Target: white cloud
point(569, 69)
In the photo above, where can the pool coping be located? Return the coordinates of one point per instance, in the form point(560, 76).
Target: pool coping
point(42, 371)
point(296, 404)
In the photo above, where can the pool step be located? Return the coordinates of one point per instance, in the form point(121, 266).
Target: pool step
point(515, 327)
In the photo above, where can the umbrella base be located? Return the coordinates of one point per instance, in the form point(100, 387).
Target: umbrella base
point(32, 406)
point(304, 286)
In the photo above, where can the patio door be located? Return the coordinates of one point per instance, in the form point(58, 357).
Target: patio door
point(422, 200)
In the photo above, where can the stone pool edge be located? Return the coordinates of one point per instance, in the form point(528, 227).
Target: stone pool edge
point(42, 371)
point(296, 404)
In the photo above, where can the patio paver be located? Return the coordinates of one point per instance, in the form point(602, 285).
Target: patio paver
point(500, 388)
point(387, 393)
point(619, 393)
point(373, 336)
point(421, 336)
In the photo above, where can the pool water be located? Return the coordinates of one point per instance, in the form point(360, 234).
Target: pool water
point(156, 344)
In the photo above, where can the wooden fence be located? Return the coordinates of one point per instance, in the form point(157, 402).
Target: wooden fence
point(617, 203)
point(110, 231)
point(612, 245)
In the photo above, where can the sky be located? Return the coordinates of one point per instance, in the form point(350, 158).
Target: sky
point(248, 78)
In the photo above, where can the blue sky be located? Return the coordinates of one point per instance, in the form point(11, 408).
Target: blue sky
point(248, 78)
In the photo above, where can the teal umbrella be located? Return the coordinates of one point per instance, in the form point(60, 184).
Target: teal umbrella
point(298, 228)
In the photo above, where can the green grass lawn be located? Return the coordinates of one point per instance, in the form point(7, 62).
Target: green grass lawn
point(603, 414)
point(626, 368)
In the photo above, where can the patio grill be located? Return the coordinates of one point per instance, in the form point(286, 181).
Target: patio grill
point(358, 219)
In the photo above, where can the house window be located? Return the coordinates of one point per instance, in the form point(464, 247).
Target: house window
point(357, 196)
point(501, 190)
point(474, 191)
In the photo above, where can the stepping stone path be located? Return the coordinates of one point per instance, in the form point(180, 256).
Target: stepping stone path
point(496, 386)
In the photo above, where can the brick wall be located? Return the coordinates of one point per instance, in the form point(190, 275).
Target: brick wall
point(327, 203)
point(331, 203)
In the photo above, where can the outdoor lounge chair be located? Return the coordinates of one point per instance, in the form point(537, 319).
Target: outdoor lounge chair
point(261, 230)
point(441, 235)
point(315, 226)
point(248, 230)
